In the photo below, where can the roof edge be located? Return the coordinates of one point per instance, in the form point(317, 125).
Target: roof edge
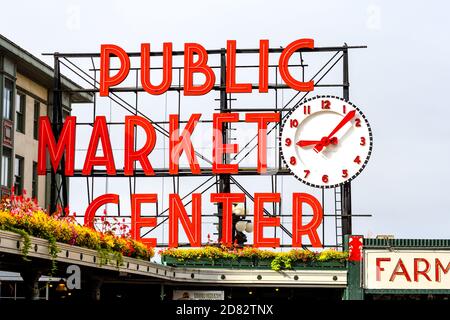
point(25, 57)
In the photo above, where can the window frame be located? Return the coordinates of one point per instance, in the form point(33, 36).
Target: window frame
point(21, 161)
point(10, 107)
point(34, 182)
point(36, 115)
point(21, 106)
point(6, 154)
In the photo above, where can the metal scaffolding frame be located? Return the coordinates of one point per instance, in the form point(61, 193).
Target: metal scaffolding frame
point(59, 190)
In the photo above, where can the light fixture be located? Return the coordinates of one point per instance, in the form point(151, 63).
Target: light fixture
point(239, 211)
point(244, 225)
point(61, 287)
point(241, 226)
point(250, 292)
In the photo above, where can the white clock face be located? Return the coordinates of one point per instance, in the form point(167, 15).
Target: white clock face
point(326, 141)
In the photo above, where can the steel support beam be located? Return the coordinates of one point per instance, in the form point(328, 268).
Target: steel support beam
point(213, 51)
point(224, 179)
point(346, 189)
point(58, 184)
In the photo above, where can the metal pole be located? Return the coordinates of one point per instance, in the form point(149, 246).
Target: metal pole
point(57, 111)
point(53, 186)
point(346, 196)
point(64, 188)
point(162, 294)
point(224, 179)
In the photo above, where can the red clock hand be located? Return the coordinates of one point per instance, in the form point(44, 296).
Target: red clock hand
point(305, 143)
point(342, 123)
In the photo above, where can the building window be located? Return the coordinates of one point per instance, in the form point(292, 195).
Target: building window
point(20, 112)
point(8, 96)
point(34, 191)
point(18, 174)
point(37, 109)
point(6, 165)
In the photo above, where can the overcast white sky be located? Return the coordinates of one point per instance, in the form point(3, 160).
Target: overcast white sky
point(400, 81)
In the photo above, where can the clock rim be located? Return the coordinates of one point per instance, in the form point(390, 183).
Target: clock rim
point(280, 142)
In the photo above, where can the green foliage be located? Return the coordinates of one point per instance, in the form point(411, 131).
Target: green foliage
point(279, 260)
point(53, 250)
point(328, 255)
point(52, 247)
point(282, 261)
point(23, 216)
point(26, 241)
point(108, 256)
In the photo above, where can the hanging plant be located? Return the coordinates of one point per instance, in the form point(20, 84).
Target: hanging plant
point(53, 250)
point(26, 240)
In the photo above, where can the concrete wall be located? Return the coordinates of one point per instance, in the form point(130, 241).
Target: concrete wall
point(24, 144)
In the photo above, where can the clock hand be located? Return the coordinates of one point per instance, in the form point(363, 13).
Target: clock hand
point(342, 123)
point(305, 143)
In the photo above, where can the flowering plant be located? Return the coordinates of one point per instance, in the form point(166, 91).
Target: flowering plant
point(22, 215)
point(279, 260)
point(208, 252)
point(250, 252)
point(284, 260)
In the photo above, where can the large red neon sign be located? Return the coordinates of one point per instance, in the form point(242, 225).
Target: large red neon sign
point(196, 61)
point(180, 145)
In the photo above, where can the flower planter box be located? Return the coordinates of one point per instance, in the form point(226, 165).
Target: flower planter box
point(174, 262)
point(209, 263)
point(264, 263)
point(326, 265)
point(244, 263)
point(247, 263)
